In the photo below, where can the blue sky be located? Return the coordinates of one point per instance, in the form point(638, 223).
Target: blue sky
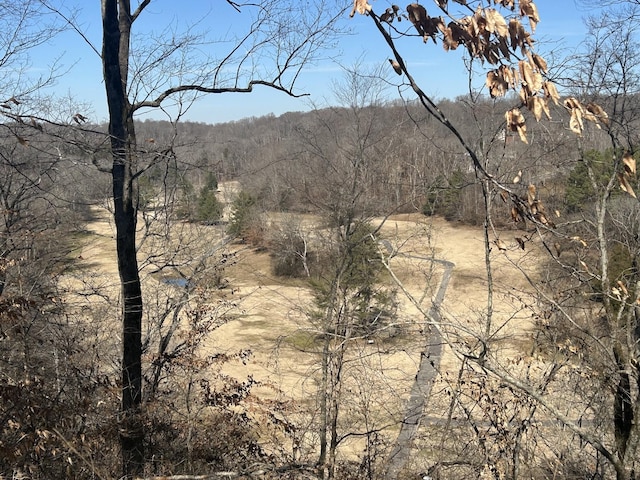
point(441, 74)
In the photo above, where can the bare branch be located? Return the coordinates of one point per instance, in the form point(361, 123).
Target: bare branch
point(157, 102)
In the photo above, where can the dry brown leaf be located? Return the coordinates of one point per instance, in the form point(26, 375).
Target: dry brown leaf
point(79, 118)
point(540, 62)
point(598, 111)
point(477, 23)
point(516, 123)
point(360, 6)
point(506, 3)
point(558, 248)
point(531, 77)
point(580, 240)
point(623, 288)
point(388, 15)
point(576, 110)
point(491, 53)
point(572, 103)
point(625, 185)
point(449, 42)
point(514, 31)
point(531, 194)
point(629, 163)
point(425, 25)
point(500, 244)
point(529, 9)
point(524, 95)
point(518, 177)
point(587, 115)
point(518, 36)
point(503, 47)
point(542, 218)
point(537, 79)
point(497, 84)
point(538, 105)
point(396, 66)
point(515, 214)
point(496, 23)
point(22, 141)
point(550, 91)
point(504, 196)
point(520, 242)
point(508, 75)
point(575, 122)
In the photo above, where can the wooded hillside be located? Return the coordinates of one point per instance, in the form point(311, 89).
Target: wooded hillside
point(382, 289)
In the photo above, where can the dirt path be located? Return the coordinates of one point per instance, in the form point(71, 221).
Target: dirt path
point(428, 370)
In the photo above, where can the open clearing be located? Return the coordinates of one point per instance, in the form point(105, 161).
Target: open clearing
point(270, 314)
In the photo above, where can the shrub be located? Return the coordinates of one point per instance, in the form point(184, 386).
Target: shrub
point(290, 255)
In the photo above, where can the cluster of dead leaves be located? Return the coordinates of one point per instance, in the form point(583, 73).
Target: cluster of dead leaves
point(486, 34)
point(529, 206)
point(591, 112)
point(490, 37)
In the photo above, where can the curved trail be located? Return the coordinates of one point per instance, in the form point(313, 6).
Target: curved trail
point(424, 379)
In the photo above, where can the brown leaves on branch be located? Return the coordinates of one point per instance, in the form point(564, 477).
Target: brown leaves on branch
point(628, 171)
point(516, 123)
point(425, 25)
point(536, 208)
point(529, 9)
point(486, 33)
point(578, 112)
point(504, 42)
point(489, 37)
point(528, 206)
point(629, 164)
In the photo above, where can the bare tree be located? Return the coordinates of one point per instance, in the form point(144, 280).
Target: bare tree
point(288, 35)
point(491, 38)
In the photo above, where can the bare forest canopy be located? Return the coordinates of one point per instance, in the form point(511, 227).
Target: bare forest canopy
point(410, 157)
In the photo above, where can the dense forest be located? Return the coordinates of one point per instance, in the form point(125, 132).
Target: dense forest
point(438, 288)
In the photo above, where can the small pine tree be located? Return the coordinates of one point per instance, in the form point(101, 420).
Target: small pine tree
point(209, 209)
point(243, 215)
point(579, 192)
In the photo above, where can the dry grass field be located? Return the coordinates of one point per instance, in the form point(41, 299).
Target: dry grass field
point(269, 314)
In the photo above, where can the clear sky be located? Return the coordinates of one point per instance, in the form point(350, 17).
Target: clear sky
point(441, 74)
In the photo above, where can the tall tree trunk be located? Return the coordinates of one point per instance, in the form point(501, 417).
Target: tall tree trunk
point(120, 124)
point(622, 408)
